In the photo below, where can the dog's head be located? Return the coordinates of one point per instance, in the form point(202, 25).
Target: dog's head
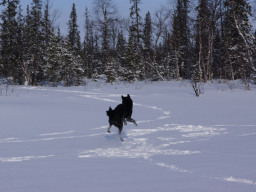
point(109, 112)
point(126, 100)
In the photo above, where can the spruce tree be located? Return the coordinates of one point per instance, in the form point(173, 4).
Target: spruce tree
point(9, 37)
point(181, 40)
point(53, 58)
point(20, 43)
point(87, 52)
point(175, 44)
point(167, 58)
point(147, 40)
point(202, 39)
point(36, 37)
point(120, 51)
point(110, 72)
point(71, 66)
point(135, 35)
point(130, 70)
point(147, 34)
point(218, 57)
point(254, 59)
point(73, 32)
point(27, 57)
point(47, 25)
point(136, 23)
point(120, 47)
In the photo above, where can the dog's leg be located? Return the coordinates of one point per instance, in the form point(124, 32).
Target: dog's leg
point(131, 120)
point(109, 128)
point(124, 121)
point(121, 137)
point(120, 131)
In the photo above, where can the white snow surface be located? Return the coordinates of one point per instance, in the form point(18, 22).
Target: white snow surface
point(55, 139)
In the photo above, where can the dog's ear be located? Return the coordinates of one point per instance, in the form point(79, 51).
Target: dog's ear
point(109, 111)
point(122, 96)
point(128, 95)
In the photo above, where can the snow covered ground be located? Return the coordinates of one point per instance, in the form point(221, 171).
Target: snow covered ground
point(55, 139)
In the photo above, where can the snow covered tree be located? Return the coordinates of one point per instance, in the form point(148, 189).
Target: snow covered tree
point(168, 58)
point(95, 75)
point(130, 68)
point(238, 40)
point(120, 54)
point(71, 66)
point(73, 32)
point(47, 25)
point(110, 72)
point(181, 40)
point(201, 69)
point(254, 59)
point(20, 44)
point(26, 57)
point(2, 2)
point(9, 37)
point(208, 14)
point(36, 36)
point(215, 10)
point(53, 58)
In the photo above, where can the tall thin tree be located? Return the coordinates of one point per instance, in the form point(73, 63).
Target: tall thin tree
point(73, 31)
point(181, 40)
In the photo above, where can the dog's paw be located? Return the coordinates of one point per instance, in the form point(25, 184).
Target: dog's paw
point(109, 131)
point(121, 139)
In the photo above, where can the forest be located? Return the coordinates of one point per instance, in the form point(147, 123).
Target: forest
point(213, 39)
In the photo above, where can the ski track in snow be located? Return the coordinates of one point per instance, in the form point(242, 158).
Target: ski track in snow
point(25, 158)
point(237, 180)
point(138, 144)
point(60, 133)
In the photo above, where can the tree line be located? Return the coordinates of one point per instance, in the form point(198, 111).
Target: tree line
point(211, 40)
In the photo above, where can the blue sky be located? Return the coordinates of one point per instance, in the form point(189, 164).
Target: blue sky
point(64, 6)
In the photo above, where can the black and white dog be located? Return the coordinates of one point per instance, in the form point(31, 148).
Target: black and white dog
point(121, 114)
